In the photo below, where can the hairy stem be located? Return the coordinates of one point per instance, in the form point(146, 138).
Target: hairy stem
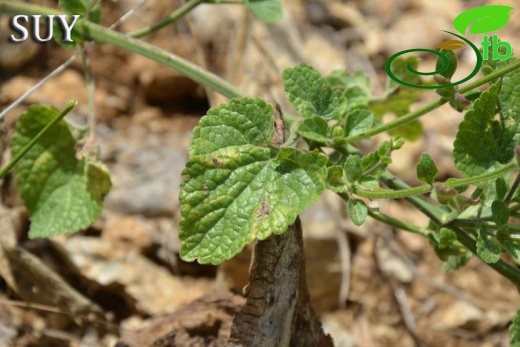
point(179, 13)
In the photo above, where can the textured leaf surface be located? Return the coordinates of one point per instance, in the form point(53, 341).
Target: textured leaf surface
point(237, 187)
point(475, 148)
point(426, 169)
point(309, 92)
point(514, 330)
point(513, 249)
point(63, 194)
point(359, 121)
point(357, 211)
point(268, 11)
point(482, 19)
point(488, 247)
point(314, 128)
point(353, 168)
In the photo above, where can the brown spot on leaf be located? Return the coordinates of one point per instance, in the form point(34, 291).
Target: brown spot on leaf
point(217, 162)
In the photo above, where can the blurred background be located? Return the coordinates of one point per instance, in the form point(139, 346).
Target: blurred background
point(123, 279)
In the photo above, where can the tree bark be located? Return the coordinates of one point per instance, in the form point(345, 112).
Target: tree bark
point(277, 310)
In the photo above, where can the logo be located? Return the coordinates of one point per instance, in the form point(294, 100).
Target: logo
point(482, 20)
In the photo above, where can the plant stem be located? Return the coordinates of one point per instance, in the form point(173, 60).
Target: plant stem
point(513, 189)
point(431, 106)
point(35, 139)
point(105, 35)
point(452, 183)
point(179, 13)
point(89, 80)
point(503, 268)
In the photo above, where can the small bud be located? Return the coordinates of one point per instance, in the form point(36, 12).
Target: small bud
point(444, 194)
point(337, 131)
point(398, 143)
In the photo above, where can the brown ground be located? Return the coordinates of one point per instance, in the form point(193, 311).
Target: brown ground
point(124, 274)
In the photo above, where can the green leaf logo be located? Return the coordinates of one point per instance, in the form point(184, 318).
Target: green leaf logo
point(483, 19)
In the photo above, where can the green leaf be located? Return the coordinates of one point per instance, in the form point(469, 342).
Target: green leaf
point(237, 186)
point(76, 7)
point(488, 247)
point(509, 104)
point(314, 128)
point(62, 194)
point(352, 90)
point(357, 210)
point(268, 11)
point(484, 19)
point(358, 122)
point(475, 147)
point(500, 212)
point(513, 249)
point(426, 169)
point(353, 168)
point(514, 330)
point(309, 92)
point(335, 180)
point(501, 188)
point(452, 63)
point(446, 238)
point(455, 262)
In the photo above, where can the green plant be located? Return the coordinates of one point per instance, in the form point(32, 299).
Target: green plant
point(243, 181)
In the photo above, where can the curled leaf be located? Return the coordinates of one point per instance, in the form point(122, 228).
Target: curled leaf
point(484, 19)
point(451, 45)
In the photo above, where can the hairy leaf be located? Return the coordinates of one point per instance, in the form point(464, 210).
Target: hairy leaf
point(475, 147)
point(357, 211)
point(237, 187)
point(488, 247)
point(309, 92)
point(63, 194)
point(500, 212)
point(353, 168)
point(335, 181)
point(359, 121)
point(513, 249)
point(314, 128)
point(426, 169)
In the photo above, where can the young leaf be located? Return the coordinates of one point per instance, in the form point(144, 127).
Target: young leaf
point(357, 211)
point(514, 330)
point(426, 169)
point(500, 212)
point(452, 63)
point(353, 90)
point(513, 249)
point(455, 262)
point(359, 121)
point(484, 19)
point(501, 188)
point(314, 128)
point(309, 92)
point(63, 194)
point(446, 238)
point(237, 187)
point(353, 168)
point(268, 11)
point(475, 147)
point(335, 180)
point(76, 7)
point(488, 247)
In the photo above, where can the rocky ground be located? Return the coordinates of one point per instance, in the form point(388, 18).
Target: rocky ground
point(371, 285)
